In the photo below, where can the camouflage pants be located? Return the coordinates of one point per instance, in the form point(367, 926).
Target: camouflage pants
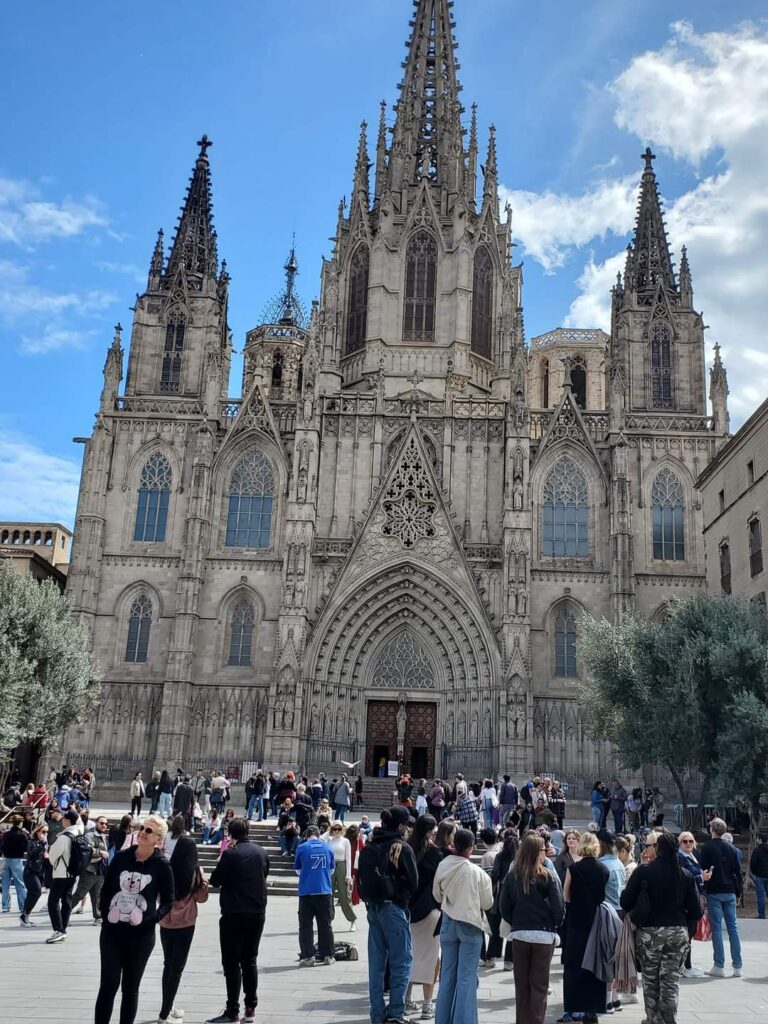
point(661, 953)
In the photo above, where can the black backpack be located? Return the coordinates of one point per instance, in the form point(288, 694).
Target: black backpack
point(79, 856)
point(375, 878)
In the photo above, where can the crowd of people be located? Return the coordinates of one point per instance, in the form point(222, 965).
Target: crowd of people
point(620, 906)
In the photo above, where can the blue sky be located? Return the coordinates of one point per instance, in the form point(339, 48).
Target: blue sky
point(102, 104)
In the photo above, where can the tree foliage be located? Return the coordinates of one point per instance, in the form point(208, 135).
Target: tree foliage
point(664, 692)
point(743, 755)
point(48, 679)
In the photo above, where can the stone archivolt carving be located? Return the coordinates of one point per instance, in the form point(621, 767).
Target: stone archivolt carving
point(404, 663)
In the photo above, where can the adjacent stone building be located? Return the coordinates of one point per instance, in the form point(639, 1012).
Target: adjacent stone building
point(734, 492)
point(383, 547)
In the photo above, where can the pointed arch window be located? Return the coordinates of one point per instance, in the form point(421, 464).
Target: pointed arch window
point(241, 633)
point(545, 383)
point(139, 626)
point(661, 365)
point(725, 567)
point(357, 302)
point(565, 515)
point(249, 511)
point(276, 381)
point(154, 493)
point(170, 377)
point(565, 643)
point(579, 382)
point(482, 303)
point(420, 288)
point(668, 511)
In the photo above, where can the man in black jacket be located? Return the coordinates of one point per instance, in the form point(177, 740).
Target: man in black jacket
point(723, 889)
point(758, 868)
point(183, 799)
point(241, 875)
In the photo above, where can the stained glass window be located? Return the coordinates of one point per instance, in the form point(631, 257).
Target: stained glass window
point(668, 509)
point(482, 303)
point(420, 288)
point(139, 624)
point(152, 506)
point(565, 515)
point(249, 512)
point(661, 366)
point(357, 303)
point(170, 378)
point(241, 633)
point(565, 643)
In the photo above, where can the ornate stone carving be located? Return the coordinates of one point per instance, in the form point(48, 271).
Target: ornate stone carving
point(404, 663)
point(409, 502)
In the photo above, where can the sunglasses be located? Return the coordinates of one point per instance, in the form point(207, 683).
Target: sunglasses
point(687, 841)
point(148, 831)
point(649, 845)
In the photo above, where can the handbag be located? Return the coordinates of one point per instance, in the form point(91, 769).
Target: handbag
point(641, 912)
point(703, 931)
point(183, 912)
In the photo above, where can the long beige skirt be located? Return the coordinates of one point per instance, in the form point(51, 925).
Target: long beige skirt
point(426, 949)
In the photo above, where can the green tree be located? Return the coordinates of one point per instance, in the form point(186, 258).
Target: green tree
point(663, 692)
point(742, 749)
point(48, 679)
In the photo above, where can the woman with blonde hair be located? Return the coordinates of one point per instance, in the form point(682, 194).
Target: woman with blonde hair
point(137, 893)
point(624, 846)
point(532, 904)
point(686, 854)
point(584, 995)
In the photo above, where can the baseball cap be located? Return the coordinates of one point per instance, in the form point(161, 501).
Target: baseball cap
point(400, 815)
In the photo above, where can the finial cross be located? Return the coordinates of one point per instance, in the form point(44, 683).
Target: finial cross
point(204, 145)
point(415, 379)
point(648, 156)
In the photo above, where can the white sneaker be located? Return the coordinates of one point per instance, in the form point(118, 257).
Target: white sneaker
point(716, 972)
point(56, 937)
point(411, 1007)
point(353, 926)
point(508, 966)
point(427, 1010)
point(80, 909)
point(692, 972)
point(176, 1014)
point(737, 972)
point(630, 997)
point(25, 922)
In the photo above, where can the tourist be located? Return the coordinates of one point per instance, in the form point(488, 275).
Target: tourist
point(14, 850)
point(92, 879)
point(60, 894)
point(436, 800)
point(285, 787)
point(596, 802)
point(584, 891)
point(649, 847)
point(288, 837)
point(466, 811)
point(177, 928)
point(421, 798)
point(689, 861)
point(557, 803)
point(137, 793)
point(489, 802)
point(382, 767)
point(758, 869)
point(723, 889)
point(624, 846)
point(492, 843)
point(183, 800)
point(241, 875)
point(164, 794)
point(35, 868)
point(618, 799)
point(302, 808)
point(219, 791)
point(317, 794)
point(634, 808)
point(342, 872)
point(359, 790)
point(152, 792)
point(617, 874)
point(175, 832)
point(212, 829)
point(464, 893)
point(388, 879)
point(460, 787)
point(507, 799)
point(658, 807)
point(356, 843)
point(424, 913)
point(314, 864)
point(501, 866)
point(366, 828)
point(662, 935)
point(569, 854)
point(545, 816)
point(136, 895)
point(532, 904)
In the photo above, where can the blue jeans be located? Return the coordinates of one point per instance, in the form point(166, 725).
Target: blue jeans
point(597, 813)
point(723, 905)
point(488, 813)
point(285, 845)
point(341, 810)
point(389, 939)
point(460, 945)
point(254, 804)
point(212, 835)
point(13, 871)
point(618, 821)
point(761, 887)
point(165, 805)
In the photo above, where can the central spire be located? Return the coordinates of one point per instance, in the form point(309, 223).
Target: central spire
point(649, 261)
point(194, 244)
point(427, 140)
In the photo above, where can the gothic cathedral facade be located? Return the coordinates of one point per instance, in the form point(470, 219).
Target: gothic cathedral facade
point(409, 507)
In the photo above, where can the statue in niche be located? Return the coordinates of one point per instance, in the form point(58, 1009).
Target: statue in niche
point(487, 726)
point(402, 722)
point(462, 727)
point(278, 715)
point(352, 724)
point(302, 485)
point(473, 735)
point(449, 728)
point(314, 720)
point(327, 720)
point(340, 722)
point(516, 724)
point(517, 495)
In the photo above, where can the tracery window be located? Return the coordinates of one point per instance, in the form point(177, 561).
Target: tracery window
point(139, 625)
point(668, 509)
point(420, 288)
point(249, 511)
point(357, 303)
point(565, 515)
point(241, 633)
point(170, 378)
point(565, 643)
point(482, 303)
point(661, 366)
point(403, 663)
point(154, 493)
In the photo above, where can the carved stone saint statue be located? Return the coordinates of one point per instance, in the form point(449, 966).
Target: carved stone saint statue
point(402, 721)
point(517, 495)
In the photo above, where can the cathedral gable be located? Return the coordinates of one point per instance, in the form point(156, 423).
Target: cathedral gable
point(660, 310)
point(567, 424)
point(255, 414)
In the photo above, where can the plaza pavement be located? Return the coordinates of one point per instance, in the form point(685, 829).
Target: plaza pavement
point(58, 983)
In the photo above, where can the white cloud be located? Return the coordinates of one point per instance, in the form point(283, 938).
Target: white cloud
point(35, 485)
point(51, 339)
point(699, 94)
point(26, 218)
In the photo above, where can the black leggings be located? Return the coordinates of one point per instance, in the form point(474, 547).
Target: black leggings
point(60, 903)
point(176, 943)
point(34, 884)
point(124, 956)
point(135, 805)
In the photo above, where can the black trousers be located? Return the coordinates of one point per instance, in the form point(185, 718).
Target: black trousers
point(239, 936)
point(315, 908)
point(136, 805)
point(124, 956)
point(60, 903)
point(176, 944)
point(34, 884)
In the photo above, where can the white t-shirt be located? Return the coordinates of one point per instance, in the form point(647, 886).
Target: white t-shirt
point(342, 851)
